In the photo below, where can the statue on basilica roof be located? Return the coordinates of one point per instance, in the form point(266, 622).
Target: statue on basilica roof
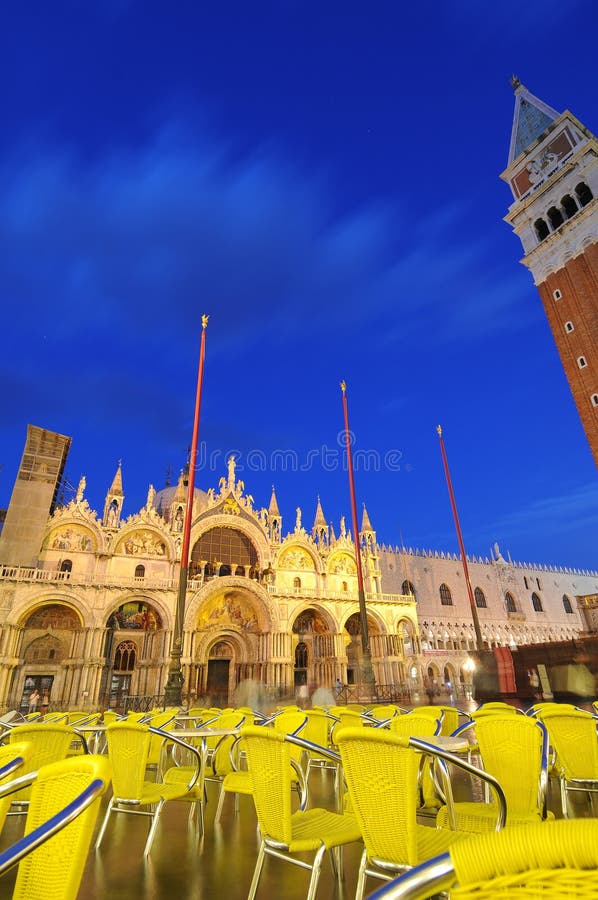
point(81, 489)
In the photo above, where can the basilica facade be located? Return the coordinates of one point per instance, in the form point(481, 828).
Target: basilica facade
point(92, 621)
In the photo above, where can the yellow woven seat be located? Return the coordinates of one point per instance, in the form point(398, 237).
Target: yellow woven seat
point(128, 750)
point(514, 749)
point(381, 771)
point(282, 831)
point(574, 741)
point(313, 827)
point(551, 861)
point(53, 869)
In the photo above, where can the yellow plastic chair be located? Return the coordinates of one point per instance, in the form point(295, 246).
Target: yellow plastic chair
point(284, 833)
point(237, 781)
point(551, 861)
point(216, 767)
point(65, 800)
point(573, 739)
point(381, 771)
point(128, 752)
point(216, 762)
point(13, 758)
point(514, 749)
point(48, 742)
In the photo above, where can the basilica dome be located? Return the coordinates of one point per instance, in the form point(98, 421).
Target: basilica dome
point(165, 499)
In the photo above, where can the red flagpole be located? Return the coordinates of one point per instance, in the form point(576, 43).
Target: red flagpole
point(474, 610)
point(368, 673)
point(174, 686)
point(193, 456)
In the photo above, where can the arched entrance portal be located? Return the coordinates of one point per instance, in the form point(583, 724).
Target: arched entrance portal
point(219, 672)
point(46, 642)
point(314, 657)
point(227, 642)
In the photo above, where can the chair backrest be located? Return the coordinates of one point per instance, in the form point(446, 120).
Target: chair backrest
point(9, 756)
point(49, 742)
point(56, 716)
point(384, 711)
point(573, 737)
point(316, 727)
point(269, 763)
point(381, 774)
point(413, 724)
point(128, 751)
point(292, 722)
point(495, 706)
point(538, 708)
point(514, 749)
point(55, 869)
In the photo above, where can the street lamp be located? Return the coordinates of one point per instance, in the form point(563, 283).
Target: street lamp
point(469, 669)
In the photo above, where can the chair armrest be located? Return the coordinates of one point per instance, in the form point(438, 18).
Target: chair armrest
point(11, 767)
point(199, 755)
point(423, 881)
point(313, 748)
point(37, 837)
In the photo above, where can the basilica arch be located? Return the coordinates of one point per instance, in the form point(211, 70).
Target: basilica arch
point(136, 642)
point(232, 634)
point(316, 643)
point(45, 641)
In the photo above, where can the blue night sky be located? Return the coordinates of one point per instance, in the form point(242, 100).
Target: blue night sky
point(322, 179)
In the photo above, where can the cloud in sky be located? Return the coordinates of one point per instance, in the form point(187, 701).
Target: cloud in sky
point(138, 243)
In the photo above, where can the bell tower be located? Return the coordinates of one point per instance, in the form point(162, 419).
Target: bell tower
point(553, 175)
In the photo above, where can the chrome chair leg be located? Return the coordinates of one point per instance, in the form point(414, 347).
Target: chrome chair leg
point(257, 872)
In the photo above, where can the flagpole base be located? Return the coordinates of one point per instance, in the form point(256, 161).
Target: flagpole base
point(173, 692)
point(367, 687)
